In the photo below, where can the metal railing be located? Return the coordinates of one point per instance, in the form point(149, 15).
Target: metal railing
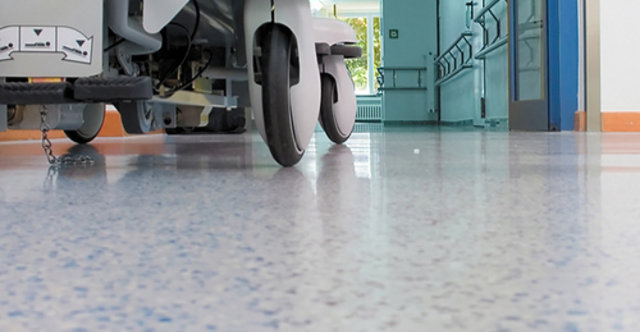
point(500, 39)
point(420, 78)
point(454, 59)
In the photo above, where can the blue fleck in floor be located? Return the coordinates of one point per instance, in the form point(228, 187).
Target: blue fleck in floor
point(399, 230)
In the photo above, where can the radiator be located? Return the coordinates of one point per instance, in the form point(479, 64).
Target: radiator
point(369, 112)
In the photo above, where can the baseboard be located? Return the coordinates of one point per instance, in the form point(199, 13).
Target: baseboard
point(497, 122)
point(462, 123)
point(580, 121)
point(368, 121)
point(621, 121)
point(409, 123)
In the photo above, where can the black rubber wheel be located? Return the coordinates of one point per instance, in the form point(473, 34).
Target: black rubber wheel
point(136, 116)
point(178, 131)
point(277, 63)
point(93, 121)
point(327, 116)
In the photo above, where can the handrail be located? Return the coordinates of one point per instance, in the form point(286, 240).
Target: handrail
point(394, 73)
point(487, 8)
point(482, 54)
point(499, 40)
point(453, 74)
point(455, 43)
point(456, 54)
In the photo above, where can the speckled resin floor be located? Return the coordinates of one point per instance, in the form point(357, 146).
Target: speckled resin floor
point(399, 230)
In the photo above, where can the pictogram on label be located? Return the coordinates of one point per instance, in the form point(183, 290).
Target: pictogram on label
point(75, 46)
point(9, 40)
point(38, 39)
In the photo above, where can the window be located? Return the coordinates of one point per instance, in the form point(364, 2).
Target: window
point(364, 70)
point(365, 21)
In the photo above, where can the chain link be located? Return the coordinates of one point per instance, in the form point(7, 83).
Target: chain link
point(46, 142)
point(47, 146)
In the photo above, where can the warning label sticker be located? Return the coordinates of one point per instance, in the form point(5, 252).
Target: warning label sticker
point(46, 39)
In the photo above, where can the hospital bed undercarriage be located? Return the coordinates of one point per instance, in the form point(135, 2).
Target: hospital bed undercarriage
point(167, 64)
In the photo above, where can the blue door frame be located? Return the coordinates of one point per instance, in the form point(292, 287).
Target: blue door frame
point(564, 55)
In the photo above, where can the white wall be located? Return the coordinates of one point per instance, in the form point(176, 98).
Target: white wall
point(620, 51)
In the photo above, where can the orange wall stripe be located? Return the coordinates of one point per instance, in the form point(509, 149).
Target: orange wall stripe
point(580, 121)
point(112, 127)
point(621, 121)
point(23, 135)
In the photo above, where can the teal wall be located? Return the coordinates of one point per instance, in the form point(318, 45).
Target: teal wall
point(496, 66)
point(415, 47)
point(460, 97)
point(459, 100)
point(496, 90)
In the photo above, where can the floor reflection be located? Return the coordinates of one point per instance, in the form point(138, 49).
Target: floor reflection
point(338, 186)
point(403, 229)
point(69, 175)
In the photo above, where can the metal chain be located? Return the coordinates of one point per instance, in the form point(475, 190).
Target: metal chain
point(47, 146)
point(46, 142)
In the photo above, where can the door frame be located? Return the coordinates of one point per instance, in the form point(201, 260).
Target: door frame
point(527, 115)
point(592, 59)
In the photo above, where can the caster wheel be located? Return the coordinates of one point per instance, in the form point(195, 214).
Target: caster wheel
point(93, 115)
point(338, 128)
point(136, 116)
point(278, 64)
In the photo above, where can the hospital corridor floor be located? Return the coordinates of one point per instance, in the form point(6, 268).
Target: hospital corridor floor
point(421, 229)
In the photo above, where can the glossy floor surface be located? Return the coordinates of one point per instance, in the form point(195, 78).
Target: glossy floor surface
point(419, 229)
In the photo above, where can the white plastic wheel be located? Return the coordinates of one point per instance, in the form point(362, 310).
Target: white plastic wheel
point(338, 103)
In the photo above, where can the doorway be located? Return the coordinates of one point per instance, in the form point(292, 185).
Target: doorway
point(528, 66)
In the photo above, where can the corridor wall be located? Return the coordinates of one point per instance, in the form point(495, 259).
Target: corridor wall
point(461, 97)
point(415, 45)
point(496, 66)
